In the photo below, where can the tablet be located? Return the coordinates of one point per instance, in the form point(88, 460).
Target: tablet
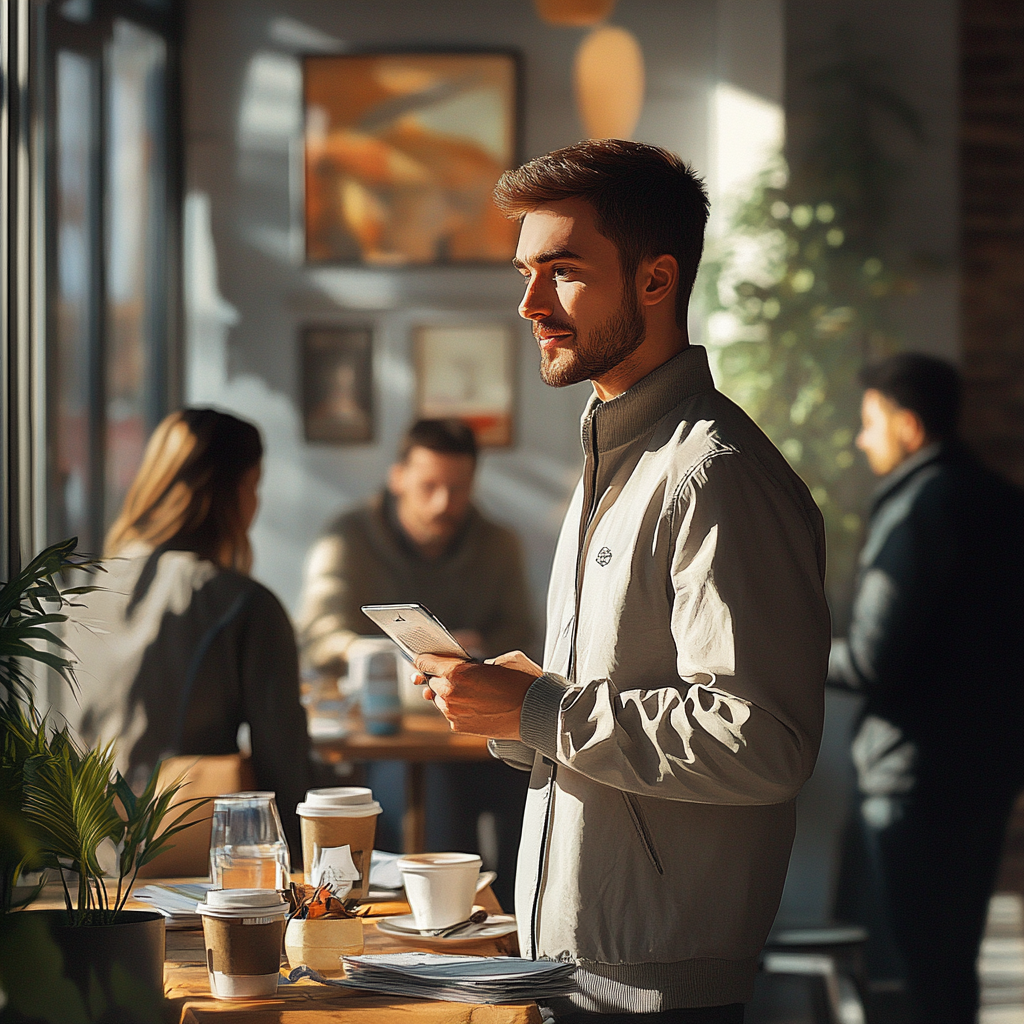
point(415, 629)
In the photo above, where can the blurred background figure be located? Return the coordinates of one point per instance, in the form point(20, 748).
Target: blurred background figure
point(937, 649)
point(422, 540)
point(181, 647)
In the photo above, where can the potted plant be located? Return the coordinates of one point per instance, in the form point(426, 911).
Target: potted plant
point(65, 803)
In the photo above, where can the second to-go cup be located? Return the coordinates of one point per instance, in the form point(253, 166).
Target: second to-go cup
point(440, 887)
point(243, 930)
point(332, 819)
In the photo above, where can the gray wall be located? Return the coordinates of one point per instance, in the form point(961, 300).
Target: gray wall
point(248, 291)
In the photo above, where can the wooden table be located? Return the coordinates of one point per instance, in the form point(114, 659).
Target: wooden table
point(187, 986)
point(423, 739)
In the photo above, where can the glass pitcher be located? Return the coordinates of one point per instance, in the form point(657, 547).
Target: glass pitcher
point(247, 845)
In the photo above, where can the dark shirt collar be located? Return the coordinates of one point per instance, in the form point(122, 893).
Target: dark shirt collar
point(908, 467)
point(625, 417)
point(405, 543)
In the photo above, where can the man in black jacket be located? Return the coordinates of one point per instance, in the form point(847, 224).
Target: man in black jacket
point(936, 645)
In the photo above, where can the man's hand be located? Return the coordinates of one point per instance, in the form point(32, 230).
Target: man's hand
point(484, 700)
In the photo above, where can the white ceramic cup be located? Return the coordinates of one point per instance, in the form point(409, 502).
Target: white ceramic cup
point(440, 887)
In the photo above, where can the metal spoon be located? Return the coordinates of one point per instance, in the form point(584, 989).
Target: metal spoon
point(477, 917)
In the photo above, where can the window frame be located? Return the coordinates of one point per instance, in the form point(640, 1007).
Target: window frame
point(164, 387)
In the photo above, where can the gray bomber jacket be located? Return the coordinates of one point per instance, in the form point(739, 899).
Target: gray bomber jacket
point(681, 706)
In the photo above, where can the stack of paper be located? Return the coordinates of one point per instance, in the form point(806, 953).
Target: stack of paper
point(176, 902)
point(384, 871)
point(462, 979)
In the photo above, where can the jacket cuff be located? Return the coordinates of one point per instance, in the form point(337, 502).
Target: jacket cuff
point(514, 753)
point(538, 721)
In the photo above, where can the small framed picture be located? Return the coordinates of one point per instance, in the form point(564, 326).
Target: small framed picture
point(337, 384)
point(467, 372)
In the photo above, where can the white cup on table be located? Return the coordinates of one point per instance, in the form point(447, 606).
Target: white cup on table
point(440, 887)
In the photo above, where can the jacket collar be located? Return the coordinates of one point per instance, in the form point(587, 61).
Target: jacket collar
point(625, 417)
point(908, 468)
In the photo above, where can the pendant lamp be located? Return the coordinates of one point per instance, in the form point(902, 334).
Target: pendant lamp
point(609, 80)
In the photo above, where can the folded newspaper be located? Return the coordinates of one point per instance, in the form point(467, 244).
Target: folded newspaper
point(462, 979)
point(176, 902)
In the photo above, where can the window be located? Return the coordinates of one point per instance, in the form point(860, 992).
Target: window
point(112, 266)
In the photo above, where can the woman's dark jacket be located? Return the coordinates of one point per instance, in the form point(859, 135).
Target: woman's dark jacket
point(167, 622)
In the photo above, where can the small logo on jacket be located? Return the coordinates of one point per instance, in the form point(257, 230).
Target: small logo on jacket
point(604, 556)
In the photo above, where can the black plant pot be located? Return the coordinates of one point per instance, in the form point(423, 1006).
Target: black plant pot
point(126, 959)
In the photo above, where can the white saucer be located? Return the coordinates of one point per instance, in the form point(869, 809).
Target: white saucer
point(404, 927)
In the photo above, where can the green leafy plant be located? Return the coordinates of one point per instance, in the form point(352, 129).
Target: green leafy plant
point(76, 801)
point(60, 804)
point(25, 617)
point(31, 605)
point(797, 292)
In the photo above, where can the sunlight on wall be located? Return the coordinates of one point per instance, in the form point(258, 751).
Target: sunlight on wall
point(292, 500)
point(746, 131)
point(271, 107)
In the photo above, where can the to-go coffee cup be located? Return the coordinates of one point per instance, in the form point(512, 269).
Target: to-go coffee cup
point(243, 930)
point(331, 819)
point(440, 887)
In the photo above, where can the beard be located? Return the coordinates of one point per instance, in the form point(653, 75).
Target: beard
point(594, 354)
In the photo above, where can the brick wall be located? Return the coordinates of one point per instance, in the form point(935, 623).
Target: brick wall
point(992, 206)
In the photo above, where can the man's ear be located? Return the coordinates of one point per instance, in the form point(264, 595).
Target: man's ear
point(657, 279)
point(911, 430)
point(396, 479)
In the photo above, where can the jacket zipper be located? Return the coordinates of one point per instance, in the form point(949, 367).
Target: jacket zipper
point(588, 512)
point(636, 812)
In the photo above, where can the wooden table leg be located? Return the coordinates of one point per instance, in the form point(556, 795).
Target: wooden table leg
point(414, 820)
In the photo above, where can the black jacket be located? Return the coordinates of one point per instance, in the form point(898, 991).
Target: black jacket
point(936, 642)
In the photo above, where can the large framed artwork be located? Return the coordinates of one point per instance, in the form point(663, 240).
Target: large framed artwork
point(402, 152)
point(337, 384)
point(467, 372)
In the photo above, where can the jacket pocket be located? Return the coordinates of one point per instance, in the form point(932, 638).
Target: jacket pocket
point(636, 813)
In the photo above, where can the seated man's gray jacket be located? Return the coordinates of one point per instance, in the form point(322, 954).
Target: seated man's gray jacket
point(936, 640)
point(479, 583)
point(681, 706)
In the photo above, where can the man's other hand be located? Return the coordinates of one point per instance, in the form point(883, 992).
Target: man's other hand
point(484, 700)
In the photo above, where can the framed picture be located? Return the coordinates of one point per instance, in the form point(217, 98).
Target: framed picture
point(337, 384)
point(402, 152)
point(467, 372)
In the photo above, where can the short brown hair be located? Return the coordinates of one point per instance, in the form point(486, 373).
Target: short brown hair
point(647, 201)
point(446, 437)
point(185, 495)
point(931, 388)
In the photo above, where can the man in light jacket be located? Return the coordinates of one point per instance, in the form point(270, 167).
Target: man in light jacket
point(679, 707)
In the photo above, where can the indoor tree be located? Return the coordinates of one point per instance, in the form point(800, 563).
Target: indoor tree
point(797, 291)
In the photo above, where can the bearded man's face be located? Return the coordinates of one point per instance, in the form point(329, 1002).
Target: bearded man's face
point(591, 354)
point(586, 317)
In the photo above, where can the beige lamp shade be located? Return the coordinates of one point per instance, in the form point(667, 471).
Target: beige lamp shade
point(578, 13)
point(609, 83)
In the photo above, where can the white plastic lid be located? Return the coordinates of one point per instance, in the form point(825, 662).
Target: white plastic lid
point(243, 903)
point(339, 802)
point(339, 796)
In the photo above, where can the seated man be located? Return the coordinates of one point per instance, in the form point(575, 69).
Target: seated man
point(422, 540)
